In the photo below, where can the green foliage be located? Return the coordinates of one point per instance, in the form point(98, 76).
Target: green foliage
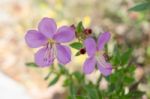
point(92, 92)
point(80, 27)
point(31, 64)
point(78, 76)
point(78, 53)
point(134, 95)
point(54, 81)
point(76, 45)
point(119, 58)
point(141, 6)
point(116, 57)
point(46, 78)
point(62, 69)
point(126, 56)
point(122, 77)
point(67, 82)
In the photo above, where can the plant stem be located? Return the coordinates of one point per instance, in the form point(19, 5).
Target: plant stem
point(98, 81)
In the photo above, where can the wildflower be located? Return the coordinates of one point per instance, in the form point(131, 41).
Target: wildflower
point(95, 53)
point(50, 38)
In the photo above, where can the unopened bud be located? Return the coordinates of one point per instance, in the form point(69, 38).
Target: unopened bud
point(87, 31)
point(82, 51)
point(73, 26)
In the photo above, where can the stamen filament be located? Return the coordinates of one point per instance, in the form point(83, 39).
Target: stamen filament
point(100, 59)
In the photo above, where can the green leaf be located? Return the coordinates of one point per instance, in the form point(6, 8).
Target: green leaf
point(54, 81)
point(78, 76)
point(116, 57)
point(131, 68)
point(135, 94)
point(63, 70)
point(67, 82)
point(80, 27)
point(31, 64)
point(47, 76)
point(126, 56)
point(82, 97)
point(140, 7)
point(128, 80)
point(92, 92)
point(116, 76)
point(76, 45)
point(72, 91)
point(78, 53)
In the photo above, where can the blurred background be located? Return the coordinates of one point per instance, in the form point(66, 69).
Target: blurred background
point(128, 29)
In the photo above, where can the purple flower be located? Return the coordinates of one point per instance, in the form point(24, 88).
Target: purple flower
point(50, 38)
point(95, 53)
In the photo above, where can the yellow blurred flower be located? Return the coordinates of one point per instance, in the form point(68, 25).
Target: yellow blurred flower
point(59, 4)
point(52, 14)
point(86, 21)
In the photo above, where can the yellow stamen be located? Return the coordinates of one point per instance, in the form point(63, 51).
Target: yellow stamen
point(99, 53)
point(51, 41)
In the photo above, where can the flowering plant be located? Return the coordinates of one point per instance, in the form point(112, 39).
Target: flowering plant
point(115, 69)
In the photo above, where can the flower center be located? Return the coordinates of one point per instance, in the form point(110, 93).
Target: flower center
point(50, 51)
point(99, 57)
point(51, 41)
point(99, 53)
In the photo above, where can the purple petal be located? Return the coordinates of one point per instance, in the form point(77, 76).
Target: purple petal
point(48, 27)
point(105, 68)
point(63, 54)
point(35, 39)
point(89, 65)
point(103, 39)
point(90, 46)
point(42, 59)
point(64, 34)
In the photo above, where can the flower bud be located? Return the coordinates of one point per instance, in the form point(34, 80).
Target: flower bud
point(73, 26)
point(87, 31)
point(82, 51)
